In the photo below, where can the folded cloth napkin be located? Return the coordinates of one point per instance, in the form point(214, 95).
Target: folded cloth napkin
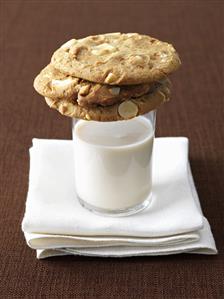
point(56, 224)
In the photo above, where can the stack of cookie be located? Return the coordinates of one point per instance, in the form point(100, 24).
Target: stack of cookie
point(108, 77)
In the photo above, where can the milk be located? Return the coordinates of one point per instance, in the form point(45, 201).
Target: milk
point(113, 162)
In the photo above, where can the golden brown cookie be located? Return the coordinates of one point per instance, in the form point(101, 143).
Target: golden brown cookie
point(52, 83)
point(120, 111)
point(116, 59)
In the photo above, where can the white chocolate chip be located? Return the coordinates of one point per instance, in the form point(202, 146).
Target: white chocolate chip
point(115, 91)
point(138, 59)
point(103, 49)
point(128, 109)
point(110, 78)
point(61, 85)
point(163, 57)
point(68, 44)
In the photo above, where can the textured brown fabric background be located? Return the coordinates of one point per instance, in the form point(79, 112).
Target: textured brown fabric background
point(30, 31)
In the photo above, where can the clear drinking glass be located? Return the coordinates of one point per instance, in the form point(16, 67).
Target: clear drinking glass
point(113, 164)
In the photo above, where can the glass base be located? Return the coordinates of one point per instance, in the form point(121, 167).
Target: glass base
point(116, 213)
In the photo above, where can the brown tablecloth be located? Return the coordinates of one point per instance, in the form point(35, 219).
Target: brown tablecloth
point(30, 32)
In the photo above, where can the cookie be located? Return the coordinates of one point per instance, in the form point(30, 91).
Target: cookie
point(120, 111)
point(52, 83)
point(116, 59)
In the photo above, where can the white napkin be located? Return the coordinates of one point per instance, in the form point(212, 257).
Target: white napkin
point(56, 224)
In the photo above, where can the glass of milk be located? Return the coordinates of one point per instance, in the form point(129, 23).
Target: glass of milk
point(113, 164)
